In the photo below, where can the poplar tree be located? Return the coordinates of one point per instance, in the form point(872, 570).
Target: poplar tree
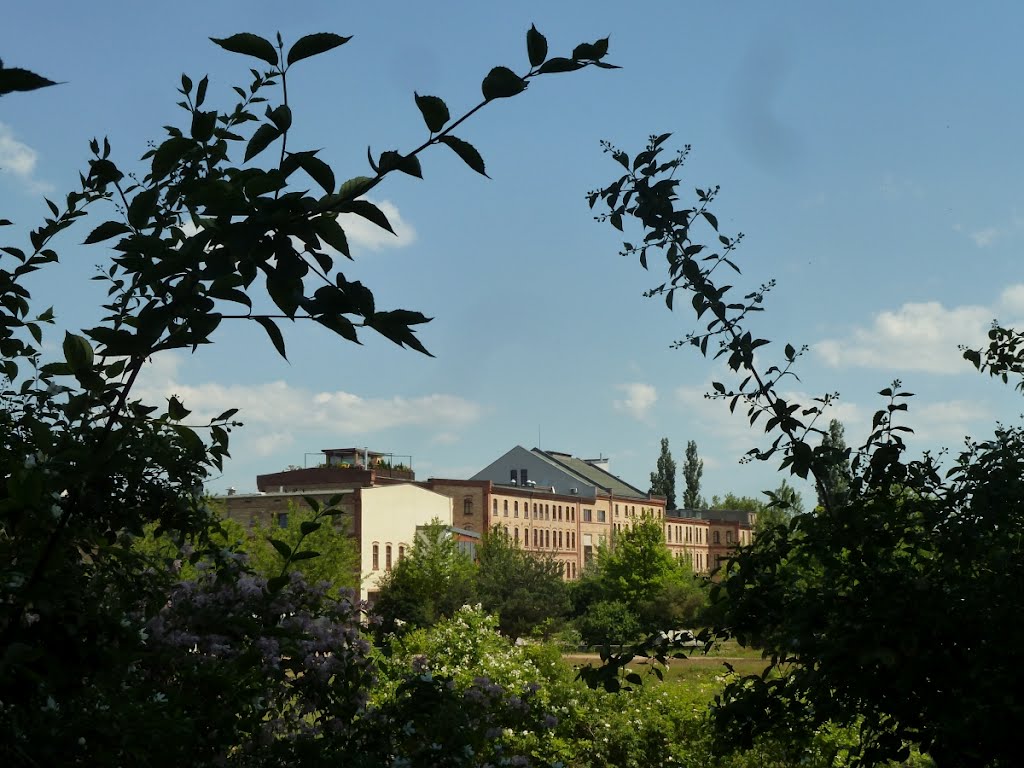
point(663, 481)
point(693, 468)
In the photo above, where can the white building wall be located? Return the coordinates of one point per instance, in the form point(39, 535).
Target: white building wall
point(390, 515)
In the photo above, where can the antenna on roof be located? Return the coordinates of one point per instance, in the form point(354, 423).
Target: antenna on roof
point(538, 437)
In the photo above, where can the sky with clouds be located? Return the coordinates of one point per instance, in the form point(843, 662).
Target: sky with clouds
point(869, 153)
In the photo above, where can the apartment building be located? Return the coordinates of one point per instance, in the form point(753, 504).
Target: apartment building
point(381, 506)
point(707, 537)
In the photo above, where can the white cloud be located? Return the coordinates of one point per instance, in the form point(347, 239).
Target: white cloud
point(364, 234)
point(639, 400)
point(947, 422)
point(916, 337)
point(985, 237)
point(19, 160)
point(273, 411)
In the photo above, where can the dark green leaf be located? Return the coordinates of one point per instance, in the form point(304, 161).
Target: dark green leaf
point(77, 352)
point(308, 526)
point(306, 554)
point(536, 46)
point(274, 333)
point(355, 187)
point(175, 410)
point(370, 212)
point(249, 44)
point(331, 232)
point(203, 124)
point(260, 140)
point(502, 82)
point(15, 79)
point(312, 45)
point(434, 111)
point(106, 230)
point(281, 117)
point(143, 207)
point(201, 91)
point(467, 152)
point(282, 548)
point(186, 86)
point(559, 64)
point(276, 584)
point(318, 170)
point(227, 414)
point(591, 51)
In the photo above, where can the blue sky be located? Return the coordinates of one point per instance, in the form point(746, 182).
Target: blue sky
point(869, 152)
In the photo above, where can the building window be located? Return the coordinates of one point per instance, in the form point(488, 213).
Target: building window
point(517, 536)
point(717, 541)
point(560, 540)
point(514, 477)
point(515, 508)
point(387, 557)
point(728, 537)
point(587, 515)
point(467, 506)
point(401, 551)
point(376, 557)
point(282, 519)
point(505, 507)
point(547, 538)
point(670, 534)
point(522, 475)
point(534, 537)
point(600, 515)
point(495, 507)
point(616, 510)
point(573, 514)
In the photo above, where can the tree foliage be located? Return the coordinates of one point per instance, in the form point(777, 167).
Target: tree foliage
point(105, 658)
point(885, 612)
point(433, 580)
point(693, 470)
point(337, 560)
point(525, 590)
point(637, 576)
point(836, 480)
point(663, 479)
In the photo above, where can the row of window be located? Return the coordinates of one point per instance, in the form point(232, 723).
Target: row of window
point(540, 511)
point(545, 538)
point(685, 535)
point(387, 555)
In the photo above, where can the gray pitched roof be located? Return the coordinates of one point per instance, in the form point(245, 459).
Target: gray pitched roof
point(593, 475)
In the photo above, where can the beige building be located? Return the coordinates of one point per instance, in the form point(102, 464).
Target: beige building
point(707, 537)
point(382, 511)
point(548, 502)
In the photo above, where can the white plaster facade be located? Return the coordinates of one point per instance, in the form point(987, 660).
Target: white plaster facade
point(388, 517)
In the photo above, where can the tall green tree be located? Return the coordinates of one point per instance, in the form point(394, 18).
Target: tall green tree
point(337, 560)
point(525, 590)
point(693, 470)
point(836, 477)
point(663, 480)
point(434, 579)
point(640, 572)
